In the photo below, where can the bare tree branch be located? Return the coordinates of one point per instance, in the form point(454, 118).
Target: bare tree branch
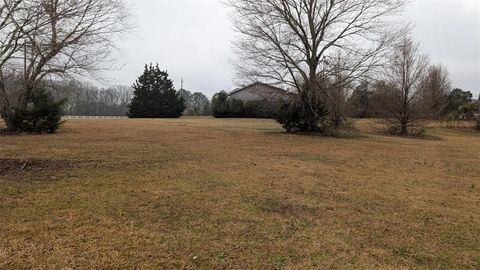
point(400, 94)
point(294, 43)
point(58, 39)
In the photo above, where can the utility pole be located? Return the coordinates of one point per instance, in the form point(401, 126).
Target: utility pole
point(181, 87)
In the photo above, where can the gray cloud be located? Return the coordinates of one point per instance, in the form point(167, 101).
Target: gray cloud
point(449, 32)
point(192, 40)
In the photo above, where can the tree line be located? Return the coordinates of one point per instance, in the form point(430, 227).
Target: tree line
point(322, 49)
point(452, 104)
point(196, 104)
point(84, 99)
point(432, 99)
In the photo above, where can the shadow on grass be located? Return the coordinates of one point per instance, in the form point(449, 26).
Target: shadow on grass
point(304, 156)
point(318, 135)
point(457, 131)
point(281, 206)
point(426, 135)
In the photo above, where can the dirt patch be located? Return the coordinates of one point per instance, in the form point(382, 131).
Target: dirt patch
point(9, 167)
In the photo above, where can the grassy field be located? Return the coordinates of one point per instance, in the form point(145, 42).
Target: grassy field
point(201, 193)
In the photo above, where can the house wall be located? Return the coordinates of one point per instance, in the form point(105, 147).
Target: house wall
point(260, 92)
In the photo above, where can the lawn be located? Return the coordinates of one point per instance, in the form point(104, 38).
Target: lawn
point(201, 193)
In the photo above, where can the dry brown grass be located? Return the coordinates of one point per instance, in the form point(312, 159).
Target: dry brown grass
point(201, 193)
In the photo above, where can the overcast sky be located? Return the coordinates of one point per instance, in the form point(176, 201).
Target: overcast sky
point(192, 39)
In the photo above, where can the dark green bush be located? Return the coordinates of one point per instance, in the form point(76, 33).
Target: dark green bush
point(261, 109)
point(295, 116)
point(235, 108)
point(463, 113)
point(468, 111)
point(42, 115)
point(224, 107)
point(220, 105)
point(154, 96)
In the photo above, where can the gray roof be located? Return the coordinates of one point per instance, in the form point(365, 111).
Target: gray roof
point(257, 83)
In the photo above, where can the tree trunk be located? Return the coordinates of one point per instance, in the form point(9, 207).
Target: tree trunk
point(404, 129)
point(4, 102)
point(25, 97)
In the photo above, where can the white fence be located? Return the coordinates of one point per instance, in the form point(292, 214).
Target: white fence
point(66, 117)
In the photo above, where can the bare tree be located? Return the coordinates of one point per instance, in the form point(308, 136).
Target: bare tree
point(338, 88)
point(15, 21)
point(56, 39)
point(84, 99)
point(434, 90)
point(293, 42)
point(399, 95)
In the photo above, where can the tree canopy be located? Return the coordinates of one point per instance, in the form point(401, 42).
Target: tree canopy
point(301, 44)
point(154, 96)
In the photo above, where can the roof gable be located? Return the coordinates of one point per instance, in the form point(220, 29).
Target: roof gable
point(259, 84)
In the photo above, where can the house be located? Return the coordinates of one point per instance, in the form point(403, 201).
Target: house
point(260, 91)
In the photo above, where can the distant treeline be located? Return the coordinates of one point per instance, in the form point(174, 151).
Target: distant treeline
point(196, 104)
point(366, 101)
point(363, 101)
point(435, 100)
point(85, 99)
